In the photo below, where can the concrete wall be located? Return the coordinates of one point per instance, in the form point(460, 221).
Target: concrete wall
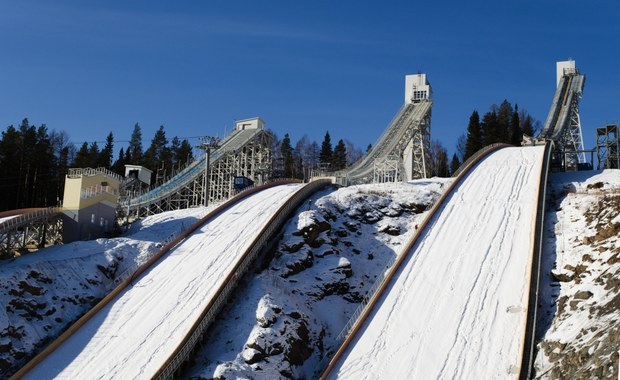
point(416, 88)
point(253, 123)
point(89, 223)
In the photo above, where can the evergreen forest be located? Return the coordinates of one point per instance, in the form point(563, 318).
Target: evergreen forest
point(34, 160)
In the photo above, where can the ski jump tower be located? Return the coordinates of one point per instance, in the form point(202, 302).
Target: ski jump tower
point(245, 152)
point(402, 153)
point(563, 124)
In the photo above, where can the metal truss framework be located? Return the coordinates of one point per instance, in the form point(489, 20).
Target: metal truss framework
point(414, 142)
point(386, 170)
point(251, 159)
point(608, 147)
point(30, 231)
point(571, 142)
point(421, 146)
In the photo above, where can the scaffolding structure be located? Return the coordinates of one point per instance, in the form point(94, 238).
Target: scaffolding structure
point(607, 147)
point(30, 230)
point(386, 169)
point(245, 152)
point(251, 160)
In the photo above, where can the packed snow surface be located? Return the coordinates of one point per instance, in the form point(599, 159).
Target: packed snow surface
point(134, 334)
point(286, 316)
point(457, 307)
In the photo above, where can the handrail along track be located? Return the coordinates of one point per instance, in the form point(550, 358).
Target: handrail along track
point(125, 283)
point(478, 156)
point(527, 363)
point(200, 326)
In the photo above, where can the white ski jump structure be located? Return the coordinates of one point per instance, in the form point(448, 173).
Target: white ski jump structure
point(477, 252)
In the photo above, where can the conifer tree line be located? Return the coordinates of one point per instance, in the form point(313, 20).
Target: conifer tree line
point(501, 124)
point(299, 161)
point(34, 161)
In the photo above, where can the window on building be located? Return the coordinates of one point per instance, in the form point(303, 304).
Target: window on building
point(92, 218)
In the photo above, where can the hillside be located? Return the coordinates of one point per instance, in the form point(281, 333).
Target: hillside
point(580, 284)
point(287, 315)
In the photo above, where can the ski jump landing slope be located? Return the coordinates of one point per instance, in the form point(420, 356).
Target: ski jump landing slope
point(457, 307)
point(133, 335)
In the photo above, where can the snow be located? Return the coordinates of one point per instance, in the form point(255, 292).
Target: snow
point(133, 335)
point(457, 307)
point(7, 218)
point(578, 321)
point(341, 264)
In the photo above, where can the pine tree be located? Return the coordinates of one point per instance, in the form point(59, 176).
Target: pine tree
point(119, 165)
point(107, 153)
point(135, 146)
point(516, 136)
point(325, 157)
point(474, 136)
point(339, 156)
point(528, 126)
point(286, 150)
point(504, 117)
point(157, 157)
point(93, 155)
point(9, 170)
point(81, 157)
point(454, 164)
point(490, 128)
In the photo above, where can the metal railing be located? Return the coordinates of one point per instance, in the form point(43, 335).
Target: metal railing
point(276, 222)
point(130, 274)
point(89, 172)
point(96, 190)
point(527, 361)
point(28, 216)
point(408, 248)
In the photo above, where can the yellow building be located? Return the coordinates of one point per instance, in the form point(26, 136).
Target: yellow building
point(90, 201)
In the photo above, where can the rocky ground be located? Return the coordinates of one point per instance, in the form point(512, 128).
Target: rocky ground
point(285, 319)
point(580, 311)
point(42, 293)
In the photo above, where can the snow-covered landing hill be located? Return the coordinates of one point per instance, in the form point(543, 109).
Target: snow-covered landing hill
point(288, 315)
point(580, 279)
point(42, 293)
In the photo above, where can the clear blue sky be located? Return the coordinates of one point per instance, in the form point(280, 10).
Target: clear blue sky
point(305, 67)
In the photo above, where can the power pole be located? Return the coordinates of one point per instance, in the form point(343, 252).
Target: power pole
point(207, 143)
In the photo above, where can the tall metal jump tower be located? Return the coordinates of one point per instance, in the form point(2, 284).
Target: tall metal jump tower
point(402, 153)
point(245, 152)
point(563, 125)
point(608, 147)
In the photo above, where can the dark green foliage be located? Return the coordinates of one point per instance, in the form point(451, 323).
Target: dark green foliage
point(81, 157)
point(339, 156)
point(30, 167)
point(286, 150)
point(119, 165)
point(107, 153)
point(134, 152)
point(528, 126)
point(454, 164)
point(503, 124)
point(326, 154)
point(474, 135)
point(158, 157)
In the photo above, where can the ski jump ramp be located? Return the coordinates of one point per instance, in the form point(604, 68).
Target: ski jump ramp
point(141, 328)
point(457, 304)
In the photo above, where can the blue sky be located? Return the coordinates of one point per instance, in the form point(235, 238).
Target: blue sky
point(305, 67)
